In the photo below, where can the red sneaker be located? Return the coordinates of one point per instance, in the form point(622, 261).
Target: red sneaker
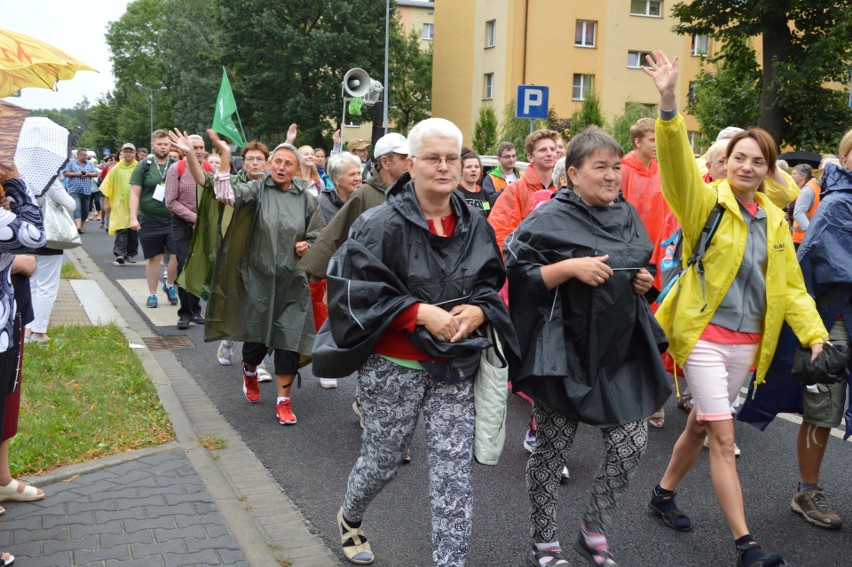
point(285, 413)
point(250, 388)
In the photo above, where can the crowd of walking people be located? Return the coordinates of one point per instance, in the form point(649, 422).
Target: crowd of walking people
point(405, 269)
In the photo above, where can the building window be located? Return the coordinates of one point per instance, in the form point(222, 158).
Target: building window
point(646, 8)
point(584, 33)
point(636, 59)
point(428, 31)
point(700, 45)
point(490, 33)
point(582, 86)
point(488, 89)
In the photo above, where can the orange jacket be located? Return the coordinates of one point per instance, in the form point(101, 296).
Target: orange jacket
point(799, 235)
point(514, 204)
point(640, 185)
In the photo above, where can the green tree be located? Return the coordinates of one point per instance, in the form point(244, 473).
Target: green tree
point(590, 114)
point(410, 77)
point(806, 45)
point(287, 60)
point(729, 94)
point(485, 130)
point(516, 130)
point(620, 129)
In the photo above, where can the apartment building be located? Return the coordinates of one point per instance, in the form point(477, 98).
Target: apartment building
point(484, 49)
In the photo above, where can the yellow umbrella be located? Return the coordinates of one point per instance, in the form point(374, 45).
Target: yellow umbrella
point(29, 62)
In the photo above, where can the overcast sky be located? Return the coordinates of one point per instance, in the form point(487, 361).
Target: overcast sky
point(77, 28)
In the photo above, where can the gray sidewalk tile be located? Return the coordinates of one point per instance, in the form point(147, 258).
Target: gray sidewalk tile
point(205, 557)
point(120, 552)
point(139, 550)
point(162, 535)
point(141, 536)
point(43, 561)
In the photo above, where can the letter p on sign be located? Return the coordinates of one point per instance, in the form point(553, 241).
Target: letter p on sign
point(532, 101)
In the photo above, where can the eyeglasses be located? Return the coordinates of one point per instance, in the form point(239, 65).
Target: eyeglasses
point(507, 156)
point(255, 159)
point(434, 161)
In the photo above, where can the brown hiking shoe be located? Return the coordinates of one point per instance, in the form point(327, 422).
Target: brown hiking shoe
point(813, 506)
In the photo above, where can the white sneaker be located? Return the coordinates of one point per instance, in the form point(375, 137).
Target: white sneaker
point(565, 474)
point(328, 383)
point(263, 374)
point(223, 354)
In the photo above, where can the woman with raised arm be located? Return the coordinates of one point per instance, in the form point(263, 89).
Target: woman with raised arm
point(259, 294)
point(726, 318)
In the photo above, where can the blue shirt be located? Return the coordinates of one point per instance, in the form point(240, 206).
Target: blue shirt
point(81, 185)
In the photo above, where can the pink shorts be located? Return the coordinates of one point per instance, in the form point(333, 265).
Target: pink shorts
point(715, 372)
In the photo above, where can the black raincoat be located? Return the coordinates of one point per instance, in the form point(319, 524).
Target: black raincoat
point(591, 353)
point(391, 261)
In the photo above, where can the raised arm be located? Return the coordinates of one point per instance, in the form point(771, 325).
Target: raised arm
point(664, 74)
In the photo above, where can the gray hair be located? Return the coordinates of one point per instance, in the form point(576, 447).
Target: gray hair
point(338, 162)
point(559, 170)
point(431, 128)
point(287, 146)
point(805, 170)
point(587, 142)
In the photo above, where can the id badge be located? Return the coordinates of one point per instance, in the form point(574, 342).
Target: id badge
point(160, 192)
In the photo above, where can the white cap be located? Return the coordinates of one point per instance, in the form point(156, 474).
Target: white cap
point(392, 142)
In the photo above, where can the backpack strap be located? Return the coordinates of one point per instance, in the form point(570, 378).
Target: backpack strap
point(704, 239)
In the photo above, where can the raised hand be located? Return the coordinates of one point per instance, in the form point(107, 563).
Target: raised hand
point(218, 143)
point(180, 140)
point(292, 131)
point(664, 73)
point(336, 137)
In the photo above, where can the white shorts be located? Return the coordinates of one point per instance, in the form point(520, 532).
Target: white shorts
point(715, 373)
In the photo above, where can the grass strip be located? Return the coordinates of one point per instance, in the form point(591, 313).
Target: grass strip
point(84, 395)
point(68, 271)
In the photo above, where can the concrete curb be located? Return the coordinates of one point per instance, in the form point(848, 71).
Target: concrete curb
point(267, 525)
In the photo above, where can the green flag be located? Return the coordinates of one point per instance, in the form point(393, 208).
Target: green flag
point(226, 108)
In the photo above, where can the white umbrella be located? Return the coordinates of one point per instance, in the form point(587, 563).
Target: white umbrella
point(42, 151)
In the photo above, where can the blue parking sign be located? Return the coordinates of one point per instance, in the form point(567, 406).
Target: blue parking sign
point(532, 101)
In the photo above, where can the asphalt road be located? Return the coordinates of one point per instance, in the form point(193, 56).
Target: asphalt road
point(311, 462)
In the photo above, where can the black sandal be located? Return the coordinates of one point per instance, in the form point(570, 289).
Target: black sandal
point(774, 560)
point(555, 555)
point(669, 518)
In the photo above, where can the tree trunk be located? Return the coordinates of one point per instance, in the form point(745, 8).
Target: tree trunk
point(776, 49)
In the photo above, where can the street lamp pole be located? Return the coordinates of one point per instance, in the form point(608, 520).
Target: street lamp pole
point(386, 94)
point(150, 100)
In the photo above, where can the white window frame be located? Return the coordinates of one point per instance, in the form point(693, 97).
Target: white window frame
point(586, 83)
point(431, 31)
point(647, 12)
point(584, 34)
point(490, 34)
point(488, 86)
point(700, 45)
point(640, 58)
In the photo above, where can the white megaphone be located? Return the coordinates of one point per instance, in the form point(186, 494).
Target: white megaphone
point(358, 84)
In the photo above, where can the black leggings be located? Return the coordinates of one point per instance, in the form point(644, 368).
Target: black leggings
point(286, 361)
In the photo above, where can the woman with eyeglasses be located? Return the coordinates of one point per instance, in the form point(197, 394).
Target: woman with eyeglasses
point(407, 293)
point(590, 345)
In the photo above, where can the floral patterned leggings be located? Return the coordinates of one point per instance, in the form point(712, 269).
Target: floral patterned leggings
point(392, 397)
point(624, 445)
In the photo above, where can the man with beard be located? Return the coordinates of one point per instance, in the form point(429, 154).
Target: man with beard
point(150, 217)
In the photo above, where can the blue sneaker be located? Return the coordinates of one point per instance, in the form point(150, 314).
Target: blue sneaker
point(152, 301)
point(172, 293)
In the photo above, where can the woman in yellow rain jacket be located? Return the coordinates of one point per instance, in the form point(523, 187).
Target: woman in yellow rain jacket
point(725, 321)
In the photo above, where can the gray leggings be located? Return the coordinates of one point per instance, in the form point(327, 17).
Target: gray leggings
point(391, 400)
point(554, 436)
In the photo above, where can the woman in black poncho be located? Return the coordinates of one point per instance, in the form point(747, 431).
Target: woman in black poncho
point(590, 345)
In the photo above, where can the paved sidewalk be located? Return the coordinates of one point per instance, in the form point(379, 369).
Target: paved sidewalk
point(170, 505)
